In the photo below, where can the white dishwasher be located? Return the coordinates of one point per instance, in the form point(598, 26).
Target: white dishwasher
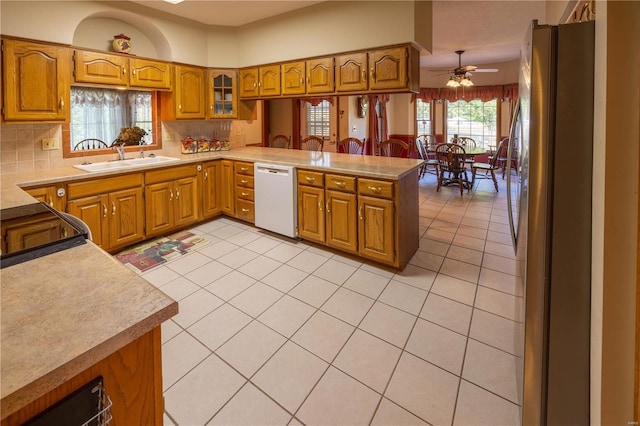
point(276, 201)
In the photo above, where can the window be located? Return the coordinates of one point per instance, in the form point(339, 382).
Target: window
point(101, 113)
point(423, 117)
point(318, 119)
point(475, 119)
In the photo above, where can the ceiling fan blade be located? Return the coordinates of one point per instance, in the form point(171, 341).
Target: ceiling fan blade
point(466, 68)
point(486, 70)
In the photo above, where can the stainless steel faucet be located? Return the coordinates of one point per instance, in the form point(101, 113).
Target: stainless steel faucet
point(120, 149)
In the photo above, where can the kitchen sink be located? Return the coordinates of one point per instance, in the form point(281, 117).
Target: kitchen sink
point(125, 164)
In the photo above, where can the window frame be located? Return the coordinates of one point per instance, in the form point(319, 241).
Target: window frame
point(483, 142)
point(429, 120)
point(324, 124)
point(67, 152)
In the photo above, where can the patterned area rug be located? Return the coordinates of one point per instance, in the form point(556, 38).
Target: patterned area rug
point(151, 254)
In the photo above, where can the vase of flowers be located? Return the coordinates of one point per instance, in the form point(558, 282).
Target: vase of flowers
point(130, 136)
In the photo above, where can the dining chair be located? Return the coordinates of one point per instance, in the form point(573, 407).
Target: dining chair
point(351, 146)
point(451, 160)
point(489, 168)
point(430, 164)
point(312, 143)
point(467, 143)
point(393, 148)
point(502, 155)
point(90, 143)
point(280, 141)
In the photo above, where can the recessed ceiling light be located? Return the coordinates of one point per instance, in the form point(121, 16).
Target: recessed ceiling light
point(174, 1)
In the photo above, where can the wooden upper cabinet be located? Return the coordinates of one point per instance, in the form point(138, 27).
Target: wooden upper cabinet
point(149, 74)
point(189, 92)
point(222, 94)
point(351, 72)
point(101, 68)
point(320, 75)
point(293, 78)
point(249, 83)
point(269, 80)
point(36, 81)
point(388, 69)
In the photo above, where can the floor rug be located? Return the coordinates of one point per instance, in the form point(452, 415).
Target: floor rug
point(151, 254)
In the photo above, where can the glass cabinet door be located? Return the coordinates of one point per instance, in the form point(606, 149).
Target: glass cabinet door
point(223, 96)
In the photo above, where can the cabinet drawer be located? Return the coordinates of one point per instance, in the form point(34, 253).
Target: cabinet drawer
point(244, 181)
point(244, 193)
point(245, 210)
point(170, 173)
point(243, 168)
point(341, 183)
point(305, 177)
point(88, 188)
point(375, 188)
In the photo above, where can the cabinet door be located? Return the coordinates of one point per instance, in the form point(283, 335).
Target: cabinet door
point(351, 72)
point(320, 75)
point(270, 80)
point(227, 187)
point(249, 79)
point(223, 98)
point(32, 233)
point(189, 92)
point(376, 229)
point(126, 221)
point(342, 223)
point(54, 196)
point(388, 69)
point(293, 78)
point(158, 207)
point(185, 201)
point(101, 68)
point(36, 82)
point(311, 218)
point(95, 213)
point(211, 189)
point(149, 74)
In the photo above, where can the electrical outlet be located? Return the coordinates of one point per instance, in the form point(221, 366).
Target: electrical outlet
point(354, 129)
point(49, 144)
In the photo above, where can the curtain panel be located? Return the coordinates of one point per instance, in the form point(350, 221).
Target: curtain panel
point(484, 93)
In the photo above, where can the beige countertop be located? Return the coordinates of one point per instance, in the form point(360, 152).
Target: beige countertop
point(64, 312)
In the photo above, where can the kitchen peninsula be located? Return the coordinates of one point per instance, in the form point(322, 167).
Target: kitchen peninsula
point(67, 312)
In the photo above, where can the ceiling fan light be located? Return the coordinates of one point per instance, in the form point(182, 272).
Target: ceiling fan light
point(466, 82)
point(174, 1)
point(452, 83)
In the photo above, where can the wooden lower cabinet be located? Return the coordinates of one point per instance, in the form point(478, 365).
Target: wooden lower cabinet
point(341, 221)
point(53, 195)
point(171, 199)
point(311, 218)
point(244, 186)
point(227, 182)
point(115, 218)
point(376, 229)
point(211, 189)
point(132, 378)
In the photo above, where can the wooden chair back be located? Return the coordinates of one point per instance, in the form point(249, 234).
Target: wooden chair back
point(280, 141)
point(451, 157)
point(90, 143)
point(312, 143)
point(351, 146)
point(393, 148)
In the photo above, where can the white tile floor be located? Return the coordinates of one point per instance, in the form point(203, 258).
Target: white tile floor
point(271, 331)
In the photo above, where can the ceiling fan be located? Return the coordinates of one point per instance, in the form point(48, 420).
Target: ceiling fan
point(461, 76)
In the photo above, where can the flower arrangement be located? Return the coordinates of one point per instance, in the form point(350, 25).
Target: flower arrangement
point(130, 136)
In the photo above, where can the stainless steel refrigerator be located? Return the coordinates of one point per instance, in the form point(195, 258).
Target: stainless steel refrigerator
point(549, 183)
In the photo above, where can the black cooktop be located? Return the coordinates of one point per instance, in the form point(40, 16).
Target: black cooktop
point(36, 230)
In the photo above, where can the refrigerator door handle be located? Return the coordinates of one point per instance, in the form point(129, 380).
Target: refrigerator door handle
point(512, 135)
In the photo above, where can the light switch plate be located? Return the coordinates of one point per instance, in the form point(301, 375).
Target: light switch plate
point(49, 144)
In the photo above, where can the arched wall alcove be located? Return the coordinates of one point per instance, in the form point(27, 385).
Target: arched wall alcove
point(96, 31)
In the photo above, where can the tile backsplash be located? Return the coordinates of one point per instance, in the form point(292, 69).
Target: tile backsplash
point(21, 144)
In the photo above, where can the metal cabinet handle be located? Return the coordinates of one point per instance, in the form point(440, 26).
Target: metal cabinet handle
point(133, 71)
point(310, 179)
point(360, 213)
point(113, 209)
point(372, 74)
point(177, 194)
point(179, 107)
point(340, 183)
point(320, 205)
point(364, 74)
point(104, 210)
point(61, 103)
point(243, 169)
point(301, 80)
point(375, 189)
point(245, 210)
point(170, 195)
point(327, 207)
point(50, 201)
point(244, 182)
point(244, 194)
point(206, 175)
point(124, 70)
